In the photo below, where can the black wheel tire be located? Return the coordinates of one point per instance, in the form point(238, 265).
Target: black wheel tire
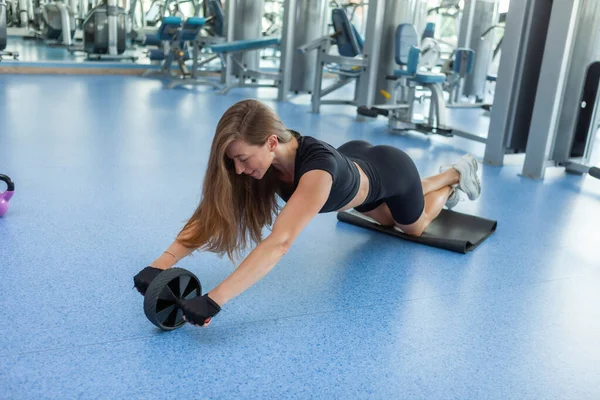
point(165, 294)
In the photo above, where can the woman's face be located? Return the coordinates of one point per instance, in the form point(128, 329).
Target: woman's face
point(250, 159)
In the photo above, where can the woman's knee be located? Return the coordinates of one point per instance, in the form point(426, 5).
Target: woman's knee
point(416, 228)
point(382, 215)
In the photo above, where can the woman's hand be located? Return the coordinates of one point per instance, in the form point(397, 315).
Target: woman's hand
point(199, 310)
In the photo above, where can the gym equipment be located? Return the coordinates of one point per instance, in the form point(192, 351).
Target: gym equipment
point(246, 26)
point(519, 78)
point(214, 9)
point(239, 60)
point(587, 125)
point(565, 118)
point(478, 16)
point(409, 77)
point(357, 60)
point(225, 50)
point(55, 23)
point(164, 296)
point(104, 33)
point(164, 36)
point(500, 25)
point(451, 230)
point(448, 16)
point(6, 196)
point(348, 65)
point(430, 53)
point(58, 23)
point(396, 12)
point(312, 16)
point(457, 68)
point(97, 30)
point(176, 34)
point(573, 150)
point(16, 13)
point(407, 55)
point(3, 33)
point(429, 31)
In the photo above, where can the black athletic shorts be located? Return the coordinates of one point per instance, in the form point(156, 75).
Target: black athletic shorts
point(393, 180)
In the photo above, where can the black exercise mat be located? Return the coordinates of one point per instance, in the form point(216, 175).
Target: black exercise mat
point(451, 230)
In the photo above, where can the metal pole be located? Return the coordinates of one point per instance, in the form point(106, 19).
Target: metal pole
point(23, 14)
point(111, 12)
point(65, 20)
point(83, 9)
point(371, 52)
point(509, 72)
point(395, 13)
point(464, 40)
point(548, 98)
point(594, 126)
point(230, 6)
point(73, 5)
point(287, 49)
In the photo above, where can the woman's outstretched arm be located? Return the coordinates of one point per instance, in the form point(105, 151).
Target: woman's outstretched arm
point(306, 202)
point(172, 255)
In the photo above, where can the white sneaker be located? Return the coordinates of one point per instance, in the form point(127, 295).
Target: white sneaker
point(469, 182)
point(453, 199)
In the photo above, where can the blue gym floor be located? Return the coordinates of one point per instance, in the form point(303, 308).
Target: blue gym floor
point(32, 50)
point(41, 54)
point(108, 168)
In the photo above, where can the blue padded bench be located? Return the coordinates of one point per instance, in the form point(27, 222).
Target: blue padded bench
point(425, 78)
point(169, 27)
point(407, 54)
point(159, 55)
point(174, 28)
point(244, 45)
point(404, 50)
point(220, 50)
point(191, 27)
point(429, 31)
point(347, 39)
point(152, 40)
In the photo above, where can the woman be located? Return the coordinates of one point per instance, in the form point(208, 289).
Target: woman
point(254, 156)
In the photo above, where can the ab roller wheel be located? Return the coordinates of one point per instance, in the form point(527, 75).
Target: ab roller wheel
point(165, 294)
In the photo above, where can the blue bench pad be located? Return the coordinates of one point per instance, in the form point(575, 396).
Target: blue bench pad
point(250, 44)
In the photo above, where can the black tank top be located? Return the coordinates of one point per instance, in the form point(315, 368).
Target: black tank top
point(313, 154)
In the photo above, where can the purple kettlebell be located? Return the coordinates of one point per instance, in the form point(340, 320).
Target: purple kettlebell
point(5, 197)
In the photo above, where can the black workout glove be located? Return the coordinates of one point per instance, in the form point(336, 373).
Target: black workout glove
point(142, 280)
point(199, 310)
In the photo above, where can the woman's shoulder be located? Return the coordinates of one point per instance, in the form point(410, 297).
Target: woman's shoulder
point(310, 144)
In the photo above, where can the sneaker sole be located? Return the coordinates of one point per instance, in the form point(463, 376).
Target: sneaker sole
point(475, 180)
point(452, 200)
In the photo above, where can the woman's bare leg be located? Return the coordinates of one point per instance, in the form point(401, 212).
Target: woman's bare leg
point(436, 191)
point(436, 182)
point(434, 202)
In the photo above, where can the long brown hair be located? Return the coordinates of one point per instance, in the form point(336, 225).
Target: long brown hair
point(235, 208)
